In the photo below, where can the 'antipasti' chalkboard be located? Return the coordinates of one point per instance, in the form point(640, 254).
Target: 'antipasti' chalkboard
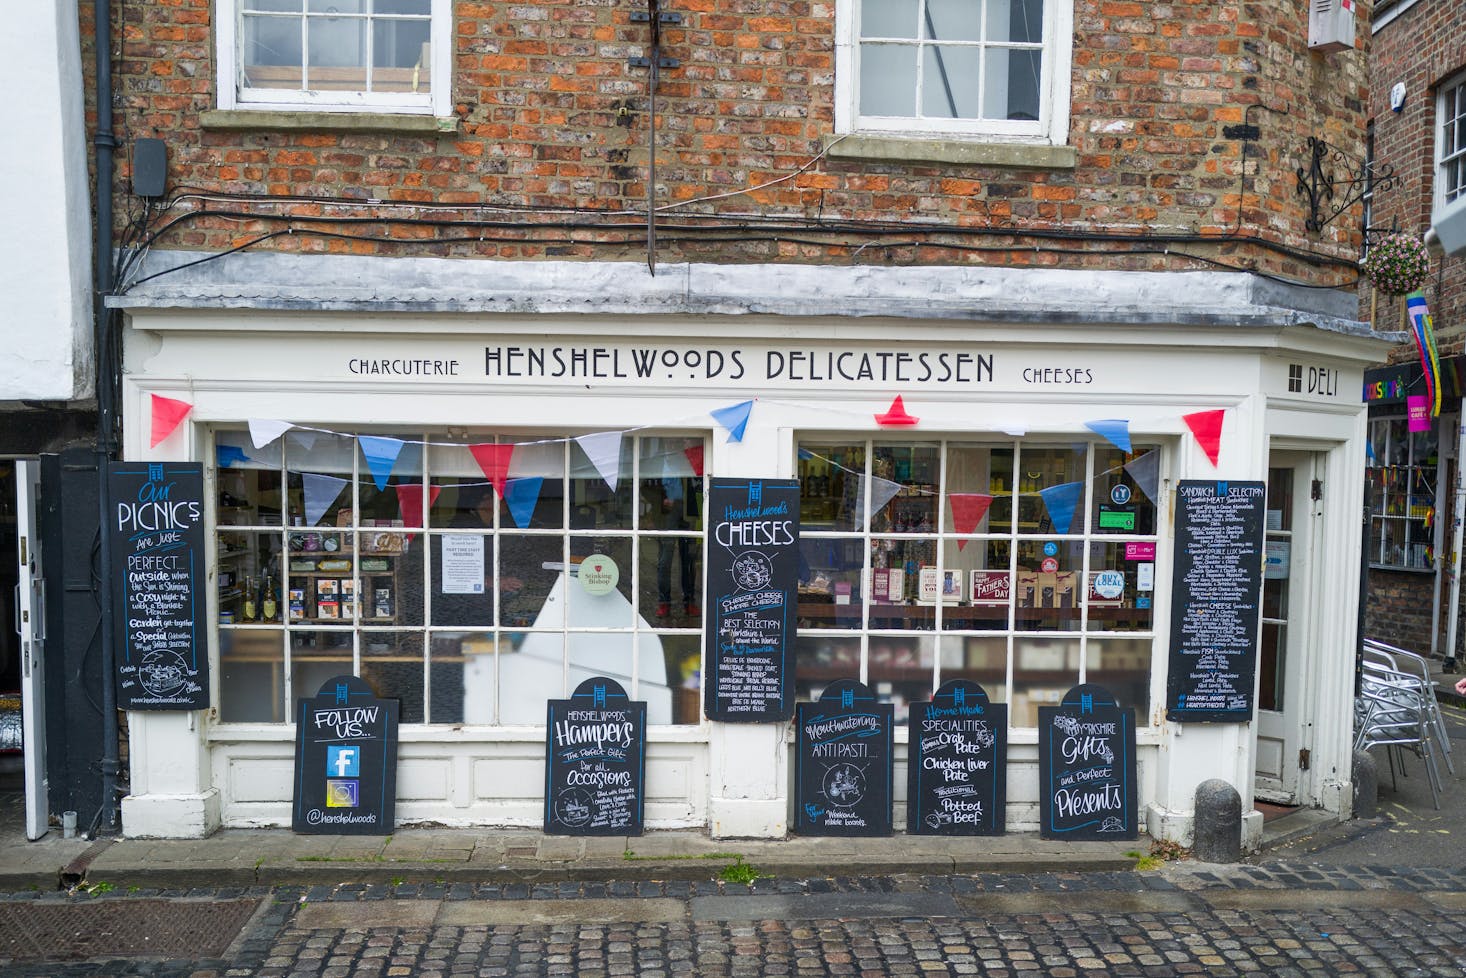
point(595, 762)
point(843, 781)
point(753, 579)
point(157, 529)
point(1215, 589)
point(1086, 767)
point(345, 761)
point(956, 768)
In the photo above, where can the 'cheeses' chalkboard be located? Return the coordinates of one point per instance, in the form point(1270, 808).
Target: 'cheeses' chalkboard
point(595, 762)
point(345, 761)
point(1215, 588)
point(157, 529)
point(753, 580)
point(1086, 767)
point(843, 761)
point(956, 767)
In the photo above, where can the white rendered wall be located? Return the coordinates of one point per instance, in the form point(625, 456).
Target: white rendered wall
point(45, 247)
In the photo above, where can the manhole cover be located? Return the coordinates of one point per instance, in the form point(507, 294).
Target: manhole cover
point(35, 930)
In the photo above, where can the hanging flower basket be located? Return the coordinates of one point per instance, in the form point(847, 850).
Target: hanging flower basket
point(1398, 264)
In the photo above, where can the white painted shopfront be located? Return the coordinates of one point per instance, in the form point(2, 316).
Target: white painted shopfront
point(549, 353)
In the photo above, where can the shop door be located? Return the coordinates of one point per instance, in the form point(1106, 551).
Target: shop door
point(30, 622)
point(1292, 516)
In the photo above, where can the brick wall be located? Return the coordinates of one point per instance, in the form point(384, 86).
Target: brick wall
point(549, 117)
point(1398, 609)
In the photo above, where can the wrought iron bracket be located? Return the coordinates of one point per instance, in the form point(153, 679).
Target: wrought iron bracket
point(1333, 182)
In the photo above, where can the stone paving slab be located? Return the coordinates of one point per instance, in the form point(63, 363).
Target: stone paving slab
point(823, 906)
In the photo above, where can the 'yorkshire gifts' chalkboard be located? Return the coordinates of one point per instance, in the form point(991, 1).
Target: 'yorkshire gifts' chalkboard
point(753, 580)
point(956, 767)
point(345, 761)
point(843, 760)
point(157, 528)
point(1086, 767)
point(1215, 590)
point(595, 761)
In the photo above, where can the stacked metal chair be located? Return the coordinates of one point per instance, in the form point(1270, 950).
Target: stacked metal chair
point(1397, 709)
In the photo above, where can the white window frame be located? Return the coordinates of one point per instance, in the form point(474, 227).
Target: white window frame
point(1051, 128)
point(231, 95)
point(1453, 86)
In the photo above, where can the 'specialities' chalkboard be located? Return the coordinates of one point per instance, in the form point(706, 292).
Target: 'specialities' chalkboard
point(157, 529)
point(595, 762)
point(956, 767)
point(843, 763)
point(1215, 588)
point(345, 761)
point(753, 581)
point(1086, 767)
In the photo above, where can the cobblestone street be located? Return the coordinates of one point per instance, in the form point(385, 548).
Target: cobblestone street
point(1184, 919)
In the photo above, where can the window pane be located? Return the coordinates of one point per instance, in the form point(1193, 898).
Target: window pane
point(1011, 84)
point(979, 470)
point(316, 657)
point(1047, 600)
point(819, 661)
point(1044, 669)
point(985, 585)
point(593, 504)
point(949, 82)
point(681, 656)
point(1016, 20)
point(906, 584)
point(888, 18)
point(887, 80)
point(1123, 667)
point(594, 602)
point(337, 6)
point(830, 486)
point(915, 469)
point(463, 579)
point(901, 670)
point(1119, 504)
point(1120, 589)
point(248, 577)
point(251, 676)
point(532, 574)
point(830, 595)
point(670, 592)
point(953, 20)
point(534, 495)
point(290, 6)
point(982, 660)
point(392, 664)
point(336, 53)
point(1045, 468)
point(271, 53)
point(419, 8)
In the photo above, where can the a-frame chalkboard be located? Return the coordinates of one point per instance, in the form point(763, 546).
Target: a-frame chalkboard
point(595, 761)
point(843, 763)
point(345, 760)
point(957, 763)
point(1086, 767)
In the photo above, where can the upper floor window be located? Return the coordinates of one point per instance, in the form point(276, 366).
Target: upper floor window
point(1451, 142)
point(338, 55)
point(989, 68)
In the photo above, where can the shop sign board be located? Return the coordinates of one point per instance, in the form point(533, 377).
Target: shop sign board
point(1086, 767)
point(956, 767)
point(753, 581)
point(595, 761)
point(157, 575)
point(345, 761)
point(1216, 588)
point(844, 763)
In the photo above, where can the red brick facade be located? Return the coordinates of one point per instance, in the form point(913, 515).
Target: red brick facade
point(550, 134)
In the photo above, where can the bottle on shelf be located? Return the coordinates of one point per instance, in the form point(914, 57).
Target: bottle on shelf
point(269, 600)
point(251, 610)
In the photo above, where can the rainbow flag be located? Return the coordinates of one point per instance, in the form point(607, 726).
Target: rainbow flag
point(1430, 361)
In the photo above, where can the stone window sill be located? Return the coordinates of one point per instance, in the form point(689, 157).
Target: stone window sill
point(934, 150)
point(264, 120)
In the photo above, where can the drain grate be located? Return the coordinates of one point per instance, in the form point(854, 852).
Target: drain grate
point(35, 930)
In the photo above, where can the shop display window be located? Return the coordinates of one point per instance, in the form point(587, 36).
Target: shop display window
point(1403, 476)
point(468, 603)
point(1027, 566)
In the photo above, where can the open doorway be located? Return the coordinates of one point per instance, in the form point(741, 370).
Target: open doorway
point(12, 758)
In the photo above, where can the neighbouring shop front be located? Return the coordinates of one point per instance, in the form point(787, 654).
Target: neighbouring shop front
point(411, 495)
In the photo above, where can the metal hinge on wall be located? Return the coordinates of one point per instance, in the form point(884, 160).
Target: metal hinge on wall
point(1303, 759)
point(1316, 492)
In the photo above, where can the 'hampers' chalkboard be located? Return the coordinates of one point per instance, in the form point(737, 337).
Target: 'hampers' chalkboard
point(843, 777)
point(1215, 589)
point(157, 530)
point(1086, 767)
point(595, 762)
point(956, 768)
point(345, 761)
point(753, 580)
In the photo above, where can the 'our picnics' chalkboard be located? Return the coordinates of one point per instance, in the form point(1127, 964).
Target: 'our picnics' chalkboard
point(1215, 589)
point(753, 580)
point(956, 767)
point(1086, 767)
point(345, 761)
point(843, 777)
point(595, 762)
point(157, 530)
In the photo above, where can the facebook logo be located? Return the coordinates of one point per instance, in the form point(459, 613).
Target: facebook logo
point(343, 762)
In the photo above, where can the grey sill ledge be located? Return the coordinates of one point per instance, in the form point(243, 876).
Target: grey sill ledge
point(259, 120)
point(895, 149)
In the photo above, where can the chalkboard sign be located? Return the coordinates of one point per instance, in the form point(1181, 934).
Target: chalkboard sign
point(345, 761)
point(843, 760)
point(956, 767)
point(1215, 588)
point(753, 580)
point(595, 762)
point(157, 536)
point(1086, 767)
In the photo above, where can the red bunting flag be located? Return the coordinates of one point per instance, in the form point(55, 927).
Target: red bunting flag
point(896, 415)
point(694, 458)
point(1207, 427)
point(968, 509)
point(409, 502)
point(494, 460)
point(168, 414)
